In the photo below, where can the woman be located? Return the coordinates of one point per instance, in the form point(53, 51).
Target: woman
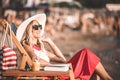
point(84, 63)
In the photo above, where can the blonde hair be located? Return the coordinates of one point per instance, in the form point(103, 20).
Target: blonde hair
point(27, 36)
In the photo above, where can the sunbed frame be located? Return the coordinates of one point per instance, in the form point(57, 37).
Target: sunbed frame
point(21, 72)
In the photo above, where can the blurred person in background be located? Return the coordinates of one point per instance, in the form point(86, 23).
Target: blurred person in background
point(10, 16)
point(13, 19)
point(18, 20)
point(116, 26)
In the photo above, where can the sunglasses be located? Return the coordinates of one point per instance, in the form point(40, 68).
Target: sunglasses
point(36, 27)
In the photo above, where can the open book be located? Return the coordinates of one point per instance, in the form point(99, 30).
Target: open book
point(57, 67)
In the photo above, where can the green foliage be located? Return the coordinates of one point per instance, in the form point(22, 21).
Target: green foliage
point(96, 3)
point(0, 3)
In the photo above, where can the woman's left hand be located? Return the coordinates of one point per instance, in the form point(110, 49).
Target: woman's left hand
point(46, 39)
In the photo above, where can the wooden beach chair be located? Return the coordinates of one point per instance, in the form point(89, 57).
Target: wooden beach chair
point(22, 73)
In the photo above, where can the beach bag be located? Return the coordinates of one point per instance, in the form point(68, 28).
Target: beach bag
point(8, 57)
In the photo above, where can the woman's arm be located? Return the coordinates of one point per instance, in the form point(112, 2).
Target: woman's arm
point(54, 58)
point(33, 56)
point(55, 49)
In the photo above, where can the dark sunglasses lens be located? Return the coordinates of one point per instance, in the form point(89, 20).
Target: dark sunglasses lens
point(35, 27)
point(40, 26)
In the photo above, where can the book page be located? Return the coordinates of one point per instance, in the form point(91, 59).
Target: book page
point(57, 67)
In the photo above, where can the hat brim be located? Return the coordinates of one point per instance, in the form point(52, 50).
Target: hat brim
point(41, 18)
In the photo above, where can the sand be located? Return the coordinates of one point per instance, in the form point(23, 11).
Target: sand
point(103, 45)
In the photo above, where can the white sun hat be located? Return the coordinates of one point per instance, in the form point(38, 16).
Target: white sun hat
point(41, 18)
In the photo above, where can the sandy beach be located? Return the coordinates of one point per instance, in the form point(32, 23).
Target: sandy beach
point(104, 46)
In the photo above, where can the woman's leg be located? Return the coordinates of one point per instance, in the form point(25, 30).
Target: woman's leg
point(100, 70)
point(95, 76)
point(85, 63)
